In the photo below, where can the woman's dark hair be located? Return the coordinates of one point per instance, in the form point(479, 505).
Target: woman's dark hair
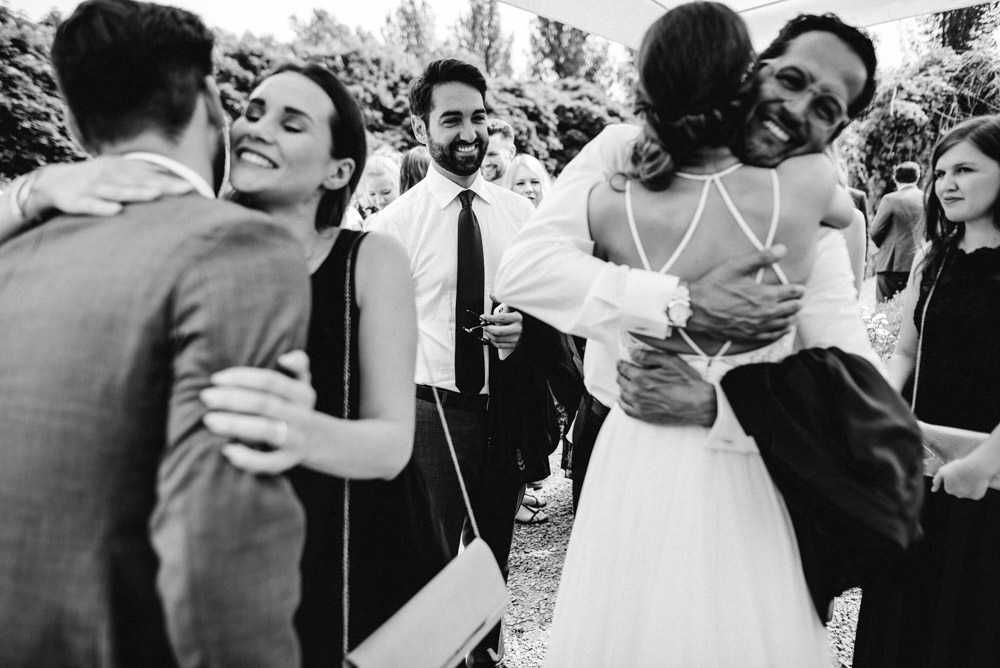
point(413, 169)
point(983, 132)
point(695, 67)
point(347, 132)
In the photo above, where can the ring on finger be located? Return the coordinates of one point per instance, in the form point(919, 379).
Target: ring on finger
point(280, 433)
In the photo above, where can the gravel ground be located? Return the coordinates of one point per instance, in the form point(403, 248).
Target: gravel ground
point(536, 560)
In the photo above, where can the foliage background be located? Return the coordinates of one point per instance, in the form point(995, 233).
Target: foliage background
point(951, 72)
point(553, 116)
point(573, 90)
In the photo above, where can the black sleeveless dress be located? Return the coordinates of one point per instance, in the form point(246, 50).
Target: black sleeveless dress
point(943, 609)
point(394, 544)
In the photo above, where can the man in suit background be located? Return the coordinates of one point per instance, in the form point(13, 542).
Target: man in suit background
point(126, 538)
point(897, 230)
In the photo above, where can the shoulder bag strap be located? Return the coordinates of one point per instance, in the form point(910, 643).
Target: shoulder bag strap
point(920, 334)
point(345, 410)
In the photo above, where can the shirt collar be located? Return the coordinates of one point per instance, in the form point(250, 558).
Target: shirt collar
point(444, 190)
point(179, 170)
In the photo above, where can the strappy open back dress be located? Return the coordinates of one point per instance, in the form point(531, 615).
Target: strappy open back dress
point(682, 552)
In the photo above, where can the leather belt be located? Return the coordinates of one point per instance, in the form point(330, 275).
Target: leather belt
point(452, 399)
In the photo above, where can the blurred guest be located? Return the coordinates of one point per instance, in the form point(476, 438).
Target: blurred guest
point(379, 184)
point(413, 168)
point(500, 150)
point(528, 177)
point(897, 230)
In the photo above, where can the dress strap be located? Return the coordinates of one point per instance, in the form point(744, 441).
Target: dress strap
point(709, 177)
point(747, 231)
point(692, 226)
point(716, 180)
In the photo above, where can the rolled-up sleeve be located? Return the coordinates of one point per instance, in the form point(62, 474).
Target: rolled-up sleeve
point(229, 542)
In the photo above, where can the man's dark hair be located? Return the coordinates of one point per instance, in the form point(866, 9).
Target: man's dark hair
point(440, 72)
point(498, 126)
point(125, 67)
point(906, 172)
point(858, 41)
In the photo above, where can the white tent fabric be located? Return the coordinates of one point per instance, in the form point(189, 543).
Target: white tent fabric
point(625, 21)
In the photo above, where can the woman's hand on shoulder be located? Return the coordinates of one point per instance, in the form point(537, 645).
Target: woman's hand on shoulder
point(99, 187)
point(262, 408)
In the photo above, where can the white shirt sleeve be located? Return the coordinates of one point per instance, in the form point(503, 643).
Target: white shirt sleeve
point(549, 270)
point(831, 314)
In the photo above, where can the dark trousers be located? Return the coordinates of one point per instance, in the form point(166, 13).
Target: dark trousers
point(888, 283)
point(494, 497)
point(589, 418)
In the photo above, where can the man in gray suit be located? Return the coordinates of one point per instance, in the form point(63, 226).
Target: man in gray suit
point(126, 539)
point(897, 230)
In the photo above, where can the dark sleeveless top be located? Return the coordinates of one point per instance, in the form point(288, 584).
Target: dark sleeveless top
point(394, 545)
point(960, 362)
point(943, 608)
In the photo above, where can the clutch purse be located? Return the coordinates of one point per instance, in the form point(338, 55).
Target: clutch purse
point(444, 621)
point(946, 444)
point(450, 614)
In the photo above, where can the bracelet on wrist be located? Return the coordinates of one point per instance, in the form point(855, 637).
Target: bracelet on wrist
point(19, 192)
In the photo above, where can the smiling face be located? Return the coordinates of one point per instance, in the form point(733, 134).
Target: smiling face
point(967, 183)
point(499, 153)
point(525, 182)
point(281, 145)
point(783, 123)
point(455, 131)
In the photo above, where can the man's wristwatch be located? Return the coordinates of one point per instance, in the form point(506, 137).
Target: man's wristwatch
point(679, 306)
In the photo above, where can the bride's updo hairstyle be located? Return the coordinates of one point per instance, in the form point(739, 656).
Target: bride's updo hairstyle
point(695, 73)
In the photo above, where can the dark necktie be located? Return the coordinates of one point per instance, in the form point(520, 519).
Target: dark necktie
point(470, 375)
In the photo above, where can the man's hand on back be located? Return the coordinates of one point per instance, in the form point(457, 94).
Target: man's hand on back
point(728, 304)
point(661, 388)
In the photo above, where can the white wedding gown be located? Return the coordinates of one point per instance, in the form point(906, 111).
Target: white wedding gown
point(682, 552)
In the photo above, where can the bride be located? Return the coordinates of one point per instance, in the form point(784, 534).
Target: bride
point(682, 553)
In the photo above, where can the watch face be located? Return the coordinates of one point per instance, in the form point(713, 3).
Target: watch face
point(678, 313)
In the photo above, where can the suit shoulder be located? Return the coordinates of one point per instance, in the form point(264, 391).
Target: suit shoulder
point(200, 217)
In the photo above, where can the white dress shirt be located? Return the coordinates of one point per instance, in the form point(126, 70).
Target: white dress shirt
point(550, 272)
point(184, 172)
point(425, 220)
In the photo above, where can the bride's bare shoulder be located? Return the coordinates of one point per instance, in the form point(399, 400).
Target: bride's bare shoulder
point(605, 202)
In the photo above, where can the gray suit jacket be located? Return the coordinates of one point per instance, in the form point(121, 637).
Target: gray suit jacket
point(126, 538)
point(898, 229)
